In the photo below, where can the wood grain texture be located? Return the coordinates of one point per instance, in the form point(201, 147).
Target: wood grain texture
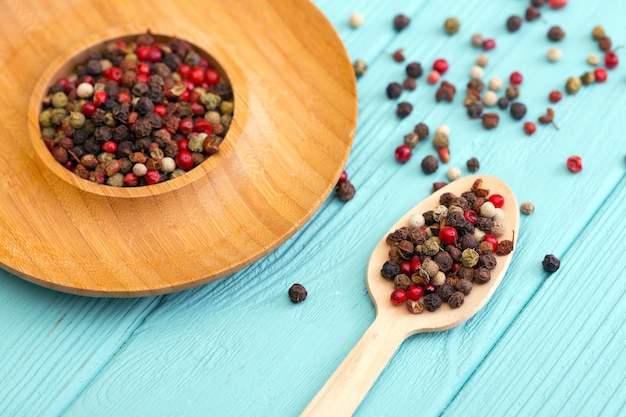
point(281, 158)
point(212, 350)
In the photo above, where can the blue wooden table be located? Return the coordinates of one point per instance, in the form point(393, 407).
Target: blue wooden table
point(545, 344)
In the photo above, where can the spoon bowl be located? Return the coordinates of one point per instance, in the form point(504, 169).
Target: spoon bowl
point(345, 389)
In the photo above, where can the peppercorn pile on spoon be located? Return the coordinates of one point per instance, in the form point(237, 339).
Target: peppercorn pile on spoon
point(344, 391)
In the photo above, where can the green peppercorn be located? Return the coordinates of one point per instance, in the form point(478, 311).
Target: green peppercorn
point(117, 180)
point(57, 116)
point(587, 78)
point(77, 119)
point(225, 119)
point(441, 140)
point(597, 33)
point(451, 25)
point(469, 258)
point(360, 67)
point(212, 116)
point(59, 100)
point(210, 100)
point(227, 107)
point(431, 247)
point(45, 118)
point(196, 142)
point(48, 132)
point(573, 85)
point(411, 139)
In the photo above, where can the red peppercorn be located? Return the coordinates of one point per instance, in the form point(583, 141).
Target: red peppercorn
point(194, 97)
point(184, 160)
point(444, 154)
point(398, 296)
point(143, 68)
point(152, 177)
point(114, 74)
point(183, 145)
point(555, 96)
point(85, 79)
point(186, 126)
point(414, 292)
point(455, 266)
point(184, 70)
point(403, 153)
point(99, 98)
point(489, 44)
point(516, 78)
point(155, 54)
point(142, 53)
point(196, 108)
point(109, 146)
point(497, 200)
point(600, 74)
point(131, 179)
point(530, 128)
point(557, 4)
point(405, 268)
point(196, 75)
point(120, 45)
point(142, 78)
point(202, 125)
point(160, 110)
point(441, 66)
point(123, 97)
point(433, 77)
point(416, 263)
point(343, 177)
point(491, 239)
point(212, 77)
point(471, 216)
point(611, 60)
point(88, 109)
point(575, 164)
point(448, 235)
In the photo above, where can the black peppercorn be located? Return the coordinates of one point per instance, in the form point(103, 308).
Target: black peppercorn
point(404, 109)
point(481, 275)
point(456, 300)
point(503, 103)
point(429, 164)
point(437, 185)
point(468, 241)
point(556, 34)
point(394, 90)
point(414, 70)
point(422, 131)
point(537, 3)
point(474, 110)
point(400, 22)
point(432, 302)
point(604, 43)
point(445, 92)
point(465, 272)
point(464, 286)
point(513, 23)
point(390, 269)
point(409, 84)
point(551, 263)
point(297, 293)
point(444, 291)
point(490, 120)
point(518, 111)
point(487, 260)
point(444, 260)
point(346, 191)
point(472, 166)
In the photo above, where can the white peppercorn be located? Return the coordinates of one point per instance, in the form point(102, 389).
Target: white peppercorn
point(454, 173)
point(356, 19)
point(554, 54)
point(476, 72)
point(527, 207)
point(84, 90)
point(416, 220)
point(168, 164)
point(482, 60)
point(438, 279)
point(495, 84)
point(477, 39)
point(490, 99)
point(140, 170)
point(499, 214)
point(592, 59)
point(444, 129)
point(487, 209)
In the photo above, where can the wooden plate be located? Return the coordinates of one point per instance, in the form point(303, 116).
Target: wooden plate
point(295, 115)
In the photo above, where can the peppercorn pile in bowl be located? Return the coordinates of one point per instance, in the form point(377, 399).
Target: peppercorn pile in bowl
point(137, 112)
point(441, 253)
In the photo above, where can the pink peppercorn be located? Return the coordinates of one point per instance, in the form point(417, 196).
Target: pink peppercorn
point(441, 66)
point(516, 78)
point(555, 96)
point(575, 163)
point(600, 74)
point(403, 153)
point(433, 77)
point(489, 44)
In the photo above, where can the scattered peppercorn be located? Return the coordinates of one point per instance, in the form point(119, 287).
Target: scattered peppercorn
point(551, 263)
point(398, 56)
point(554, 54)
point(513, 23)
point(409, 84)
point(556, 34)
point(489, 44)
point(429, 164)
point(512, 92)
point(414, 70)
point(422, 131)
point(597, 33)
point(297, 293)
point(482, 60)
point(477, 39)
point(394, 90)
point(445, 92)
point(451, 25)
point(346, 191)
point(356, 20)
point(404, 109)
point(490, 120)
point(574, 164)
point(472, 165)
point(532, 14)
point(518, 111)
point(573, 85)
point(474, 110)
point(527, 207)
point(490, 98)
point(587, 78)
point(400, 22)
point(604, 43)
point(503, 103)
point(548, 117)
point(529, 128)
point(593, 59)
point(360, 67)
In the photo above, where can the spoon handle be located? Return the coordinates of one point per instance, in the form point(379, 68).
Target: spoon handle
point(346, 388)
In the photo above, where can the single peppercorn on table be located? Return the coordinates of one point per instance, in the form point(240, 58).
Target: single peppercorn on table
point(543, 345)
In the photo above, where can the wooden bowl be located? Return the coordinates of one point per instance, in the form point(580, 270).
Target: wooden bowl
point(295, 115)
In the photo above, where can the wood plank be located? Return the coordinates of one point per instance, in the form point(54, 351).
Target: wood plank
point(564, 354)
point(53, 344)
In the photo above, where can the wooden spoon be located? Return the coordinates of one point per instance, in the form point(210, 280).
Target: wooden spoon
point(344, 391)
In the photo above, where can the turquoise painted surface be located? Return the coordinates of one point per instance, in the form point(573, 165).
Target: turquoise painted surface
point(543, 346)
